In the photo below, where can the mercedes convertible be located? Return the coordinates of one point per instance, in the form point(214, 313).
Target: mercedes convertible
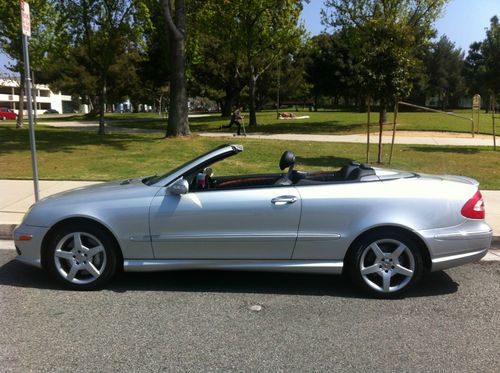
point(384, 229)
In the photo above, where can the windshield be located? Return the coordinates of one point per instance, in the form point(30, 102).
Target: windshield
point(154, 179)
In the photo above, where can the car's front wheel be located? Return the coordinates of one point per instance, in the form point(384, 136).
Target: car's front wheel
point(386, 264)
point(81, 257)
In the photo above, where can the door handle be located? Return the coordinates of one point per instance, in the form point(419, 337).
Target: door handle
point(284, 200)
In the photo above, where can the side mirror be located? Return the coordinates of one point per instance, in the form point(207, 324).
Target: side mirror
point(179, 187)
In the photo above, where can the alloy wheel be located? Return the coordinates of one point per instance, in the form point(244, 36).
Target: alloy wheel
point(80, 258)
point(387, 265)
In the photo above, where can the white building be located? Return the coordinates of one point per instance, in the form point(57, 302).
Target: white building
point(44, 97)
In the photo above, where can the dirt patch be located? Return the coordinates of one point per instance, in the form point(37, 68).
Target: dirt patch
point(435, 134)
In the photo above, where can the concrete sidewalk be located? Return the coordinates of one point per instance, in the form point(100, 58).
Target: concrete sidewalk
point(16, 196)
point(402, 137)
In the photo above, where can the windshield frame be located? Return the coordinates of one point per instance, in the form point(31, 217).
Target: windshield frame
point(211, 156)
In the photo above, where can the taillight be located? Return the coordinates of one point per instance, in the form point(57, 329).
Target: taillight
point(474, 208)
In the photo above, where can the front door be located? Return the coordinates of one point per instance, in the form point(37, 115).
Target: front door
point(254, 223)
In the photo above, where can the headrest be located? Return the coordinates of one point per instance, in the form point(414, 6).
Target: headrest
point(287, 160)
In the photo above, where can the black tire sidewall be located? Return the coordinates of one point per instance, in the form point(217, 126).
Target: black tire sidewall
point(355, 257)
point(109, 248)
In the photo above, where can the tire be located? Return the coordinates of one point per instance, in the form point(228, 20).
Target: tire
point(81, 256)
point(386, 264)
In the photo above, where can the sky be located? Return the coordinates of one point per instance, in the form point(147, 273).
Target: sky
point(464, 21)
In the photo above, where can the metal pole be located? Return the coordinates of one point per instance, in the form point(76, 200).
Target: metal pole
point(34, 96)
point(396, 105)
point(30, 116)
point(478, 113)
point(439, 111)
point(494, 126)
point(368, 132)
point(278, 92)
point(473, 122)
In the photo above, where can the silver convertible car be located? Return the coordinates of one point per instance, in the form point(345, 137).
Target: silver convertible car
point(383, 228)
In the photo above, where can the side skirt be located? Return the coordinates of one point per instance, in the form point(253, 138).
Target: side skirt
point(309, 266)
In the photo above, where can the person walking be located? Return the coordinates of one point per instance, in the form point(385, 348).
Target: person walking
point(236, 118)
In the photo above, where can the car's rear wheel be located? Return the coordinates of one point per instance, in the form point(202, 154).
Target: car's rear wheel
point(386, 264)
point(81, 257)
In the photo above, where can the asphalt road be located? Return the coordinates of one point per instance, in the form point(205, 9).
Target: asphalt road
point(199, 321)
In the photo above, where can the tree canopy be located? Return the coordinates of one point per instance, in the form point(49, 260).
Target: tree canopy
point(388, 37)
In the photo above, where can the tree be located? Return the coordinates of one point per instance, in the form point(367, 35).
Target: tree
point(260, 32)
point(482, 65)
point(490, 50)
point(95, 35)
point(218, 74)
point(269, 29)
point(389, 37)
point(43, 26)
point(176, 27)
point(332, 67)
point(474, 70)
point(287, 77)
point(444, 65)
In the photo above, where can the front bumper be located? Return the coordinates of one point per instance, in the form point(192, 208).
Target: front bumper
point(454, 246)
point(29, 251)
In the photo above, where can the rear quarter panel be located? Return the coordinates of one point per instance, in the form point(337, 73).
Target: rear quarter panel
point(334, 215)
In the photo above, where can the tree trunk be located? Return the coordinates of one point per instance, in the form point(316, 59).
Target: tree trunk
point(251, 94)
point(381, 121)
point(178, 124)
point(20, 115)
point(102, 105)
point(229, 102)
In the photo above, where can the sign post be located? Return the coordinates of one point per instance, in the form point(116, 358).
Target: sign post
point(476, 107)
point(26, 29)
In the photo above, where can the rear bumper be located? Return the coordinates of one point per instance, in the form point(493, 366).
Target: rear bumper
point(445, 262)
point(455, 246)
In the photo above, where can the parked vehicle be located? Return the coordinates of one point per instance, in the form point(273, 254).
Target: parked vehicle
point(51, 111)
point(6, 113)
point(383, 228)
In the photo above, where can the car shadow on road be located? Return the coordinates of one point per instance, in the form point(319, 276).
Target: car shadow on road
point(16, 274)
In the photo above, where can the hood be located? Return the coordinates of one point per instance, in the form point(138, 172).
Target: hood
point(88, 200)
point(106, 187)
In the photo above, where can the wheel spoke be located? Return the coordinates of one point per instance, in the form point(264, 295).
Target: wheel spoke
point(371, 269)
point(94, 251)
point(72, 273)
point(377, 250)
point(68, 255)
point(386, 279)
point(92, 269)
point(77, 241)
point(403, 271)
point(397, 253)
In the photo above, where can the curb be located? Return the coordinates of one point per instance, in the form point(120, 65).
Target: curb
point(6, 231)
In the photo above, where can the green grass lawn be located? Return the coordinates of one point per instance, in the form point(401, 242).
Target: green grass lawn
point(321, 122)
point(75, 155)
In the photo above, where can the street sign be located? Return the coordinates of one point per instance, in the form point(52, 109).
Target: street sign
point(476, 102)
point(25, 18)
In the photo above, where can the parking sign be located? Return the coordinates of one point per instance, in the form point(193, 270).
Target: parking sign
point(25, 18)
